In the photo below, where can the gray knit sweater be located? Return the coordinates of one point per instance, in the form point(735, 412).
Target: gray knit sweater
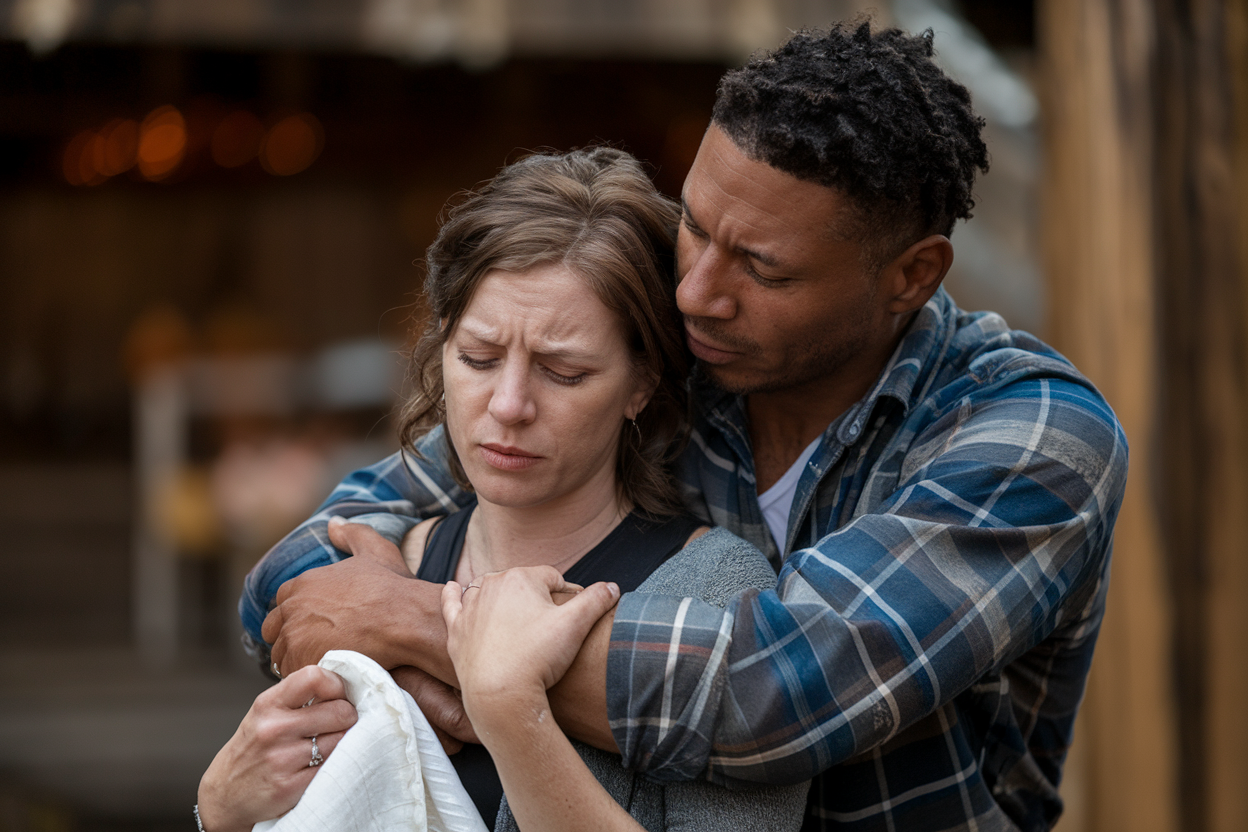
point(715, 567)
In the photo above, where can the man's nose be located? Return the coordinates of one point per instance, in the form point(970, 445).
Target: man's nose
point(512, 401)
point(704, 291)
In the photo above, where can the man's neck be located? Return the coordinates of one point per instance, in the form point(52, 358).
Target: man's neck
point(783, 422)
point(781, 426)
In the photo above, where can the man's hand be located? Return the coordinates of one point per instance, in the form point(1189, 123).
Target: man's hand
point(368, 603)
point(441, 704)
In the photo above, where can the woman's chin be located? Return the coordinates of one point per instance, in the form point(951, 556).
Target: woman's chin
point(512, 494)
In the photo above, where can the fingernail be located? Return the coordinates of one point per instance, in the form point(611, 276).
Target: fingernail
point(614, 589)
point(336, 519)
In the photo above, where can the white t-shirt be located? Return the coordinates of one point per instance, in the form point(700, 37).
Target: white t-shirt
point(777, 501)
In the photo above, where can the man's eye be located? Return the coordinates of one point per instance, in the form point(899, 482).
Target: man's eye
point(476, 363)
point(691, 227)
point(764, 281)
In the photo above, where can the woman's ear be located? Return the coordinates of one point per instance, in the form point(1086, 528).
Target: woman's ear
point(915, 274)
point(637, 402)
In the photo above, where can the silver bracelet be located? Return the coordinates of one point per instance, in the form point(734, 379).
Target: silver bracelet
point(198, 822)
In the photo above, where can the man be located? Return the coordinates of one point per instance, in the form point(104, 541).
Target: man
point(937, 491)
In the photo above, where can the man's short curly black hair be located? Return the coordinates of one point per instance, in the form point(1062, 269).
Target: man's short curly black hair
point(870, 114)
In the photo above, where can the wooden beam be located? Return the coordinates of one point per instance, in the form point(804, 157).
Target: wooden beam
point(1097, 71)
point(1204, 473)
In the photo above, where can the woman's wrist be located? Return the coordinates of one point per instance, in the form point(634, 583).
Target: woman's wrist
point(209, 818)
point(506, 712)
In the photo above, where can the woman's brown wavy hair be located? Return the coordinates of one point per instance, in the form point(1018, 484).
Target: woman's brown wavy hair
point(596, 213)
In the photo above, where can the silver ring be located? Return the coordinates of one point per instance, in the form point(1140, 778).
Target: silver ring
point(277, 671)
point(465, 592)
point(308, 703)
point(317, 759)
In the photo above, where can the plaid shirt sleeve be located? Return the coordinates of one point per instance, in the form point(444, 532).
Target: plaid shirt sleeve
point(995, 537)
point(391, 496)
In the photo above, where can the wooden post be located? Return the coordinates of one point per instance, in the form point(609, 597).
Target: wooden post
point(1203, 485)
point(1097, 59)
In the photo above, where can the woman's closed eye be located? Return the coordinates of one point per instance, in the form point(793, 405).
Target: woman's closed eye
point(477, 363)
point(563, 378)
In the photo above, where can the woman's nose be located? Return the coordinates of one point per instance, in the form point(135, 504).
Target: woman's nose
point(704, 287)
point(512, 401)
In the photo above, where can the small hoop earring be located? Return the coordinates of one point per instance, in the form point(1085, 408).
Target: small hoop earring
point(634, 421)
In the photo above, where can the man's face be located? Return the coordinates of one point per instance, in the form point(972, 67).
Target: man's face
point(775, 294)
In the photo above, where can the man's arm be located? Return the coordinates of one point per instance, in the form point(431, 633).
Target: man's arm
point(404, 629)
point(391, 496)
point(998, 532)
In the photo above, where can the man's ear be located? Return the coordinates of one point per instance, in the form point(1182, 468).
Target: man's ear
point(916, 273)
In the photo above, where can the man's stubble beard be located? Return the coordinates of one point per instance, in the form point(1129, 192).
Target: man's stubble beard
point(817, 360)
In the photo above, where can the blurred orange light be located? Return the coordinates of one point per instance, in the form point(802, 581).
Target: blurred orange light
point(292, 144)
point(162, 142)
point(236, 141)
point(78, 163)
point(118, 148)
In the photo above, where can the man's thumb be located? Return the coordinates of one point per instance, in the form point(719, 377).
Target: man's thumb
point(363, 541)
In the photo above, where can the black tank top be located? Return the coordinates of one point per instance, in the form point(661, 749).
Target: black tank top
point(627, 555)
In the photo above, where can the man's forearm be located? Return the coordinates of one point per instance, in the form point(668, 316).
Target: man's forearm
point(579, 701)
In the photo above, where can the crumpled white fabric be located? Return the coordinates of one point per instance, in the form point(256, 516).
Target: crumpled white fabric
point(389, 772)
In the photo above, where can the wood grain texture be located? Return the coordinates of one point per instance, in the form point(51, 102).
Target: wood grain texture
point(1097, 70)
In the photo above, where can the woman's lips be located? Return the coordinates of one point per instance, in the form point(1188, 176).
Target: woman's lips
point(507, 458)
point(705, 352)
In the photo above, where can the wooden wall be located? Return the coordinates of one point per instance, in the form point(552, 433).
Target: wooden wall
point(1144, 248)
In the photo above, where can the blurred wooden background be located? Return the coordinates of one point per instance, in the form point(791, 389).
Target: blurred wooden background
point(1111, 224)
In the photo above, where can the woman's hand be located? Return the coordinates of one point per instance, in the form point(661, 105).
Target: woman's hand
point(510, 641)
point(264, 769)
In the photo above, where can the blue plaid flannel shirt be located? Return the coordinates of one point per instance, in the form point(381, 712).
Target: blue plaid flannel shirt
point(941, 589)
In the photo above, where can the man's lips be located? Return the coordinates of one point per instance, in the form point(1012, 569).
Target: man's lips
point(507, 457)
point(706, 352)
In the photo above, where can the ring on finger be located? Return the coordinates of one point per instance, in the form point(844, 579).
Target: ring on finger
point(277, 671)
point(465, 592)
point(317, 759)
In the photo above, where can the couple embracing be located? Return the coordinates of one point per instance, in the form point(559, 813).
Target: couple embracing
point(789, 542)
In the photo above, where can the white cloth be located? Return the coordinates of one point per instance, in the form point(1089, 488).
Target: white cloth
point(776, 502)
point(389, 772)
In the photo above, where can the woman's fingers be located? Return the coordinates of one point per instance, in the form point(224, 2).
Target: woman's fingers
point(509, 635)
point(452, 601)
point(297, 754)
point(325, 718)
point(309, 683)
point(590, 604)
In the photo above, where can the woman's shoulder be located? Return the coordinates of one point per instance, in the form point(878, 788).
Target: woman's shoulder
point(714, 566)
point(414, 541)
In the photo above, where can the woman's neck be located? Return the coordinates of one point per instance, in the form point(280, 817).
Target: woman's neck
point(558, 534)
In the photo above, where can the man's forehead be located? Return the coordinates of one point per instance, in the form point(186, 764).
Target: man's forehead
point(726, 180)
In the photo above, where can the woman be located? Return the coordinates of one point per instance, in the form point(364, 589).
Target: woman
point(554, 370)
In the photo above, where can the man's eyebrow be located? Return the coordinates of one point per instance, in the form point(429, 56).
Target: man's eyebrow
point(684, 206)
point(766, 259)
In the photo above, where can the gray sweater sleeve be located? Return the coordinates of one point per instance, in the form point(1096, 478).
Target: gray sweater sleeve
point(715, 567)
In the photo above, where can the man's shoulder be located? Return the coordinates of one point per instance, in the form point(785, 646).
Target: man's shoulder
point(982, 350)
point(1015, 380)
